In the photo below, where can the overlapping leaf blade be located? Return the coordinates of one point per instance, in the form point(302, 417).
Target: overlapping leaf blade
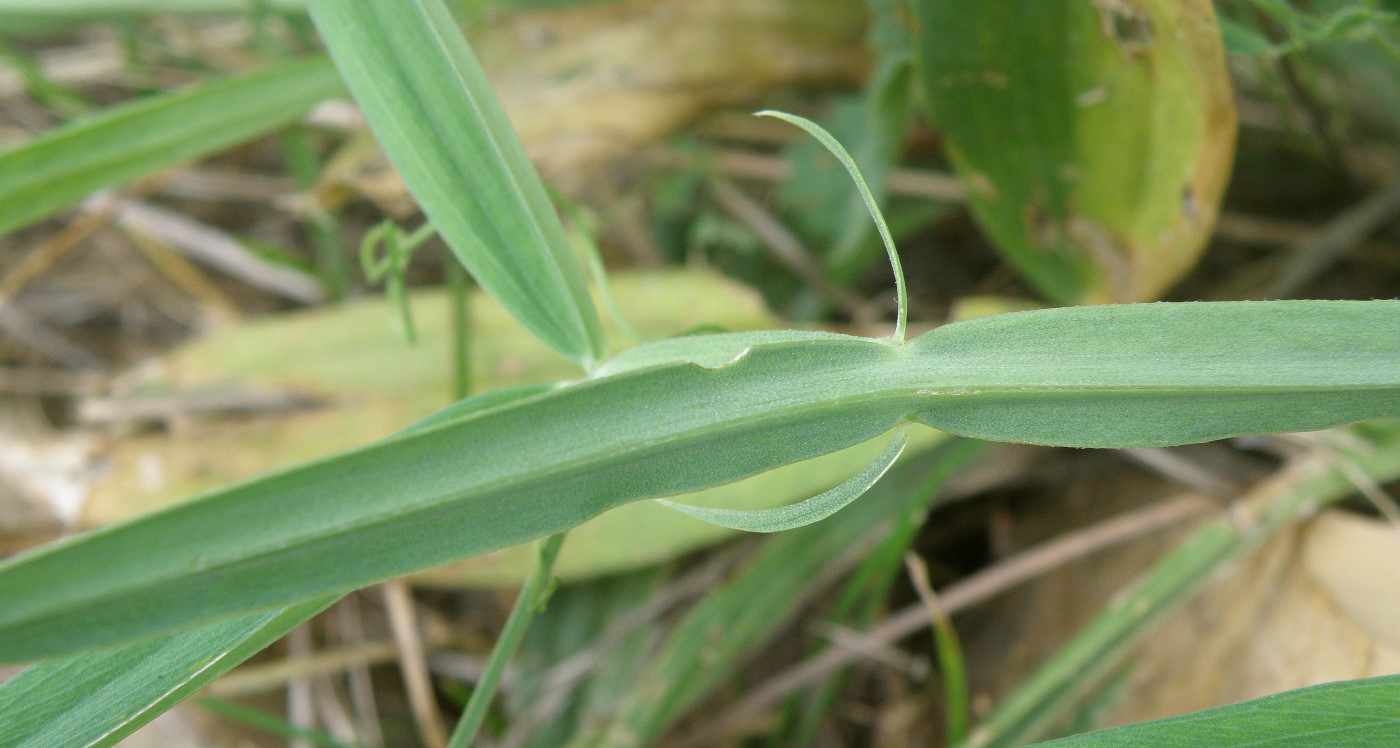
point(438, 119)
point(96, 699)
point(60, 168)
point(807, 511)
point(1102, 376)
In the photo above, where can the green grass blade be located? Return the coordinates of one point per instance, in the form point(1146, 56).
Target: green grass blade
point(1113, 376)
point(441, 125)
point(1354, 712)
point(807, 511)
point(99, 698)
point(59, 168)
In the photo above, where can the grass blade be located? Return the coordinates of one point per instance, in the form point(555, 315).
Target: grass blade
point(1353, 712)
point(438, 119)
point(1137, 375)
point(803, 513)
point(61, 167)
point(99, 698)
point(127, 687)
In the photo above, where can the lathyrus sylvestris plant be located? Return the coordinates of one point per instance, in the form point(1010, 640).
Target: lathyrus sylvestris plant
point(192, 589)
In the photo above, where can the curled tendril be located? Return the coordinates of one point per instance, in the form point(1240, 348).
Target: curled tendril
point(385, 253)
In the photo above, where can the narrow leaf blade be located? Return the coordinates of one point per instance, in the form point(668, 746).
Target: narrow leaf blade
point(440, 123)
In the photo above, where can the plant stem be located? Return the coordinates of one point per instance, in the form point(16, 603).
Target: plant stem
point(331, 264)
point(532, 597)
point(457, 282)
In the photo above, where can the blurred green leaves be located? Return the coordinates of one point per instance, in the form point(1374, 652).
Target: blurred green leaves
point(126, 142)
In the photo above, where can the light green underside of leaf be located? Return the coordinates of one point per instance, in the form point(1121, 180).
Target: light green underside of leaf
point(807, 511)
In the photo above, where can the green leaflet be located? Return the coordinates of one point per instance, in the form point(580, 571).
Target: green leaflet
point(1110, 376)
point(98, 698)
point(61, 167)
point(807, 511)
point(434, 112)
point(1346, 713)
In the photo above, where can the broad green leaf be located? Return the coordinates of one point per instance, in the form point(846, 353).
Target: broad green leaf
point(1112, 376)
point(61, 167)
point(807, 511)
point(1347, 713)
point(440, 123)
point(1095, 138)
point(98, 698)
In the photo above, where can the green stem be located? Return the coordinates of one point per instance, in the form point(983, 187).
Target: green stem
point(532, 597)
point(457, 282)
point(305, 166)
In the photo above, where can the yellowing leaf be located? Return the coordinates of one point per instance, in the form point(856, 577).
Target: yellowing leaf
point(1095, 136)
